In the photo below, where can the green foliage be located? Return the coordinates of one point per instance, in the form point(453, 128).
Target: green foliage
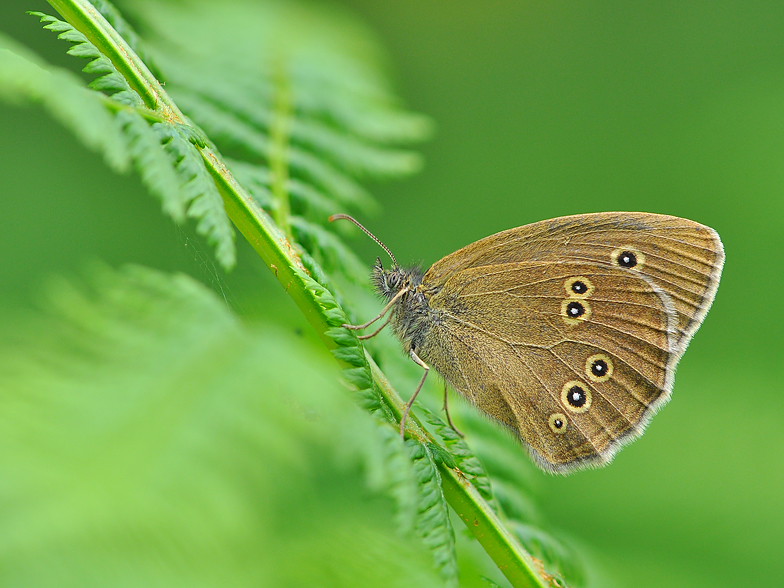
point(168, 424)
point(26, 79)
point(332, 253)
point(153, 162)
point(149, 421)
point(108, 80)
point(464, 457)
point(513, 475)
point(295, 100)
point(339, 121)
point(433, 523)
point(198, 191)
point(121, 136)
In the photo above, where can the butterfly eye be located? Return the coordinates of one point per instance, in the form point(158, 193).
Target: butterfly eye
point(599, 367)
point(557, 422)
point(576, 397)
point(627, 257)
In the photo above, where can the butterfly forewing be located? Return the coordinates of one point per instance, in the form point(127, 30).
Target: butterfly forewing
point(683, 258)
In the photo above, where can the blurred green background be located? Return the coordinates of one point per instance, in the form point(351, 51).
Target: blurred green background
point(542, 109)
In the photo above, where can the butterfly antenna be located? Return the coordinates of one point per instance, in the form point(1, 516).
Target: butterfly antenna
point(335, 217)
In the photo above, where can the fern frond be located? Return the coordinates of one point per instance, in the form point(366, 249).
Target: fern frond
point(381, 122)
point(340, 123)
point(390, 470)
point(180, 179)
point(124, 29)
point(512, 477)
point(555, 557)
point(433, 523)
point(154, 164)
point(25, 78)
point(340, 89)
point(349, 151)
point(393, 469)
point(328, 250)
point(195, 189)
point(236, 135)
point(340, 186)
point(199, 193)
point(149, 419)
point(358, 157)
point(305, 200)
point(465, 459)
point(257, 181)
point(108, 80)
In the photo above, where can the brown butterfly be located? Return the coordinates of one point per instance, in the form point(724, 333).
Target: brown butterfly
point(566, 331)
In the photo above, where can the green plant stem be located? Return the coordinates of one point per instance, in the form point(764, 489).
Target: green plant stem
point(83, 16)
point(512, 560)
point(278, 254)
point(254, 224)
point(272, 246)
point(507, 553)
point(279, 134)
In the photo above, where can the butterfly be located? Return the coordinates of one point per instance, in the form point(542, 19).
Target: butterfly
point(566, 331)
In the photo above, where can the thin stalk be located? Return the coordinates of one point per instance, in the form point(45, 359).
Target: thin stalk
point(512, 560)
point(83, 16)
point(254, 224)
point(279, 135)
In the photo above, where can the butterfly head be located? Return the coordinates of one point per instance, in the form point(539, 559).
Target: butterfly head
point(388, 282)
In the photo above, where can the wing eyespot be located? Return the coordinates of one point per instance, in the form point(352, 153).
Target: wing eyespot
point(558, 423)
point(578, 287)
point(599, 367)
point(576, 397)
point(574, 311)
point(628, 257)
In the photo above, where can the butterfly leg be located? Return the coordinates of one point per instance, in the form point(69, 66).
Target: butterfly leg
point(389, 305)
point(446, 410)
point(407, 408)
point(377, 331)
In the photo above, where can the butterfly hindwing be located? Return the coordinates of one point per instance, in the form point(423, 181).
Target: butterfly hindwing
point(511, 342)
